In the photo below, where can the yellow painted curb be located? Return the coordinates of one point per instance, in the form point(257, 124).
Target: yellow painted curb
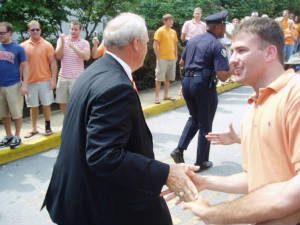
point(46, 143)
point(30, 148)
point(155, 109)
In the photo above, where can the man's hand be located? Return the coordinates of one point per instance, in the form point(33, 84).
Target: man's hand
point(95, 42)
point(226, 138)
point(72, 46)
point(180, 184)
point(53, 84)
point(24, 89)
point(198, 180)
point(198, 207)
point(62, 39)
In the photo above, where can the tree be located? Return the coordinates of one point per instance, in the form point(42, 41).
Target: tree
point(93, 12)
point(50, 14)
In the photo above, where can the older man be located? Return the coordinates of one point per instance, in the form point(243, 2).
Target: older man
point(42, 76)
point(105, 172)
point(72, 50)
point(270, 135)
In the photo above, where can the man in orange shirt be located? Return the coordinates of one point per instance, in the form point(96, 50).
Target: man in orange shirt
point(270, 135)
point(284, 19)
point(297, 28)
point(165, 49)
point(97, 50)
point(42, 76)
point(290, 36)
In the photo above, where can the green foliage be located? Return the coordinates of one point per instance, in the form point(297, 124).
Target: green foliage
point(50, 14)
point(92, 12)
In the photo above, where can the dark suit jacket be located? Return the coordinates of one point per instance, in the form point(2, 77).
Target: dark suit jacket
point(105, 172)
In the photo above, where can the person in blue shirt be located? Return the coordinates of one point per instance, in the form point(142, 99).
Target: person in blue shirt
point(204, 58)
point(12, 88)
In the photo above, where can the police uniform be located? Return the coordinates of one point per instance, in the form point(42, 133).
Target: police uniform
point(203, 56)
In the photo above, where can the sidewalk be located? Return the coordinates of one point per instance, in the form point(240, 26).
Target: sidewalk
point(39, 142)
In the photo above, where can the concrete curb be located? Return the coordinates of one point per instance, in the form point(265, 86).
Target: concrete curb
point(46, 143)
point(155, 109)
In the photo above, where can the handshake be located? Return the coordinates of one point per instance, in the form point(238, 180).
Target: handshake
point(182, 183)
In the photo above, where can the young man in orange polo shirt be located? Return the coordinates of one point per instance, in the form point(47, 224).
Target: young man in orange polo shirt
point(42, 76)
point(270, 135)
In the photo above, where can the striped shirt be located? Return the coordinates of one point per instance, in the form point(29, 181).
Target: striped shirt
point(71, 64)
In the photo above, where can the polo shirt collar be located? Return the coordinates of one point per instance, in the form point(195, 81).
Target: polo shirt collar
point(275, 86)
point(194, 21)
point(33, 42)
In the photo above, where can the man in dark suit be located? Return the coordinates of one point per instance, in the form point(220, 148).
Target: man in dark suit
point(105, 172)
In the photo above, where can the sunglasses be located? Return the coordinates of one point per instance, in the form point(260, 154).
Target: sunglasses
point(2, 33)
point(36, 29)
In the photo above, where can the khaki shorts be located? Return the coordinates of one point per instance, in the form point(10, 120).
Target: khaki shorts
point(63, 89)
point(165, 70)
point(39, 92)
point(11, 101)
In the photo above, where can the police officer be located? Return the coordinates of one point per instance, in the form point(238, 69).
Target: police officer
point(203, 58)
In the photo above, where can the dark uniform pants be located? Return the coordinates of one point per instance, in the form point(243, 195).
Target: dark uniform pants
point(202, 104)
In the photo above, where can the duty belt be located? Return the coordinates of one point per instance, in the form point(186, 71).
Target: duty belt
point(192, 74)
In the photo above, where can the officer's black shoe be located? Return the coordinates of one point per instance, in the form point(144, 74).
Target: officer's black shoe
point(177, 156)
point(204, 166)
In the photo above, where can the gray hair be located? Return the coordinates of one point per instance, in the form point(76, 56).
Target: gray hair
point(123, 29)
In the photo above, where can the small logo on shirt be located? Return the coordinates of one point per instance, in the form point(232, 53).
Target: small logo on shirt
point(7, 56)
point(224, 53)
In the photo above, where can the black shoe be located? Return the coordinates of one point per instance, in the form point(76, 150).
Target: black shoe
point(5, 141)
point(204, 166)
point(15, 142)
point(177, 156)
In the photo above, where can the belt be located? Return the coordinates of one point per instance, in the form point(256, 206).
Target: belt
point(192, 74)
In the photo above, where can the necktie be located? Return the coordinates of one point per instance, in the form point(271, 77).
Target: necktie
point(134, 86)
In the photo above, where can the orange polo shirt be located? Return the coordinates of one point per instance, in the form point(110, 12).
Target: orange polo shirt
point(167, 41)
point(38, 54)
point(297, 28)
point(284, 23)
point(288, 38)
point(270, 135)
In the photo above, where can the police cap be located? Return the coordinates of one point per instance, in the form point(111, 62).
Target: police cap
point(219, 17)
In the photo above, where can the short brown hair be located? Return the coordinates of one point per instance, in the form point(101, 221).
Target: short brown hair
point(198, 9)
point(167, 16)
point(75, 22)
point(33, 22)
point(267, 30)
point(8, 26)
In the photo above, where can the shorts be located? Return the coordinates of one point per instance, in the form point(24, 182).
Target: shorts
point(39, 92)
point(63, 89)
point(11, 101)
point(165, 70)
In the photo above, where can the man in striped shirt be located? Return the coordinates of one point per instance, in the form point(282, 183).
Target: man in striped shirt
point(72, 50)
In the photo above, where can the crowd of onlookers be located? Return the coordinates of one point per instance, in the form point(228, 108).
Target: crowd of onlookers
point(30, 69)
